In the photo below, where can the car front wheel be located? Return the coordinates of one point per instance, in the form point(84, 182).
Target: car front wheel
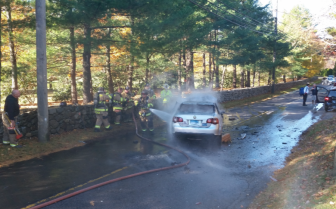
point(326, 107)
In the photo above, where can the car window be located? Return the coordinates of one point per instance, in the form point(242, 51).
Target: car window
point(332, 93)
point(195, 108)
point(330, 78)
point(321, 90)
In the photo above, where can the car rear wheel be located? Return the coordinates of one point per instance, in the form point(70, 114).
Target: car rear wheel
point(326, 107)
point(216, 140)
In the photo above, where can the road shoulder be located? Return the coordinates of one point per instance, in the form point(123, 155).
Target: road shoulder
point(306, 180)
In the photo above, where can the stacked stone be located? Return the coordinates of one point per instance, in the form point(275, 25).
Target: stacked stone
point(61, 119)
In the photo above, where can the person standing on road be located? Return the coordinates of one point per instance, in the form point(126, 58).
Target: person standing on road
point(146, 117)
point(101, 109)
point(118, 102)
point(129, 104)
point(9, 116)
point(305, 94)
point(165, 95)
point(314, 94)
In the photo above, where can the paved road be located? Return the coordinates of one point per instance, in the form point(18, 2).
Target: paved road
point(229, 176)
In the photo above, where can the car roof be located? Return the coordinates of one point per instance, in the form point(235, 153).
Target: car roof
point(198, 103)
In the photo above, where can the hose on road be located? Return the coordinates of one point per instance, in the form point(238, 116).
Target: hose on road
point(120, 178)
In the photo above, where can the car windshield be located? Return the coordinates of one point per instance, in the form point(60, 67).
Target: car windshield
point(330, 78)
point(196, 108)
point(332, 93)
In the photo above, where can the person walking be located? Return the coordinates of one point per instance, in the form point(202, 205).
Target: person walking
point(314, 94)
point(9, 118)
point(305, 94)
point(118, 102)
point(101, 109)
point(129, 104)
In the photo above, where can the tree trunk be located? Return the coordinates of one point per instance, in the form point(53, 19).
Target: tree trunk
point(73, 67)
point(147, 68)
point(248, 79)
point(223, 75)
point(0, 52)
point(87, 83)
point(213, 71)
point(131, 65)
point(179, 77)
point(259, 78)
point(190, 69)
point(210, 63)
point(130, 73)
point(185, 68)
point(217, 66)
point(284, 78)
point(11, 47)
point(204, 71)
point(254, 73)
point(108, 64)
point(269, 77)
point(234, 77)
point(242, 75)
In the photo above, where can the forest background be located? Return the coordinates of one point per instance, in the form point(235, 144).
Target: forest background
point(189, 44)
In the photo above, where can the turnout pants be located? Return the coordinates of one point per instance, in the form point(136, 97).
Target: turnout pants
point(128, 114)
point(102, 118)
point(146, 120)
point(9, 136)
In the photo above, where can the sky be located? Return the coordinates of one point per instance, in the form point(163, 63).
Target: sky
point(318, 8)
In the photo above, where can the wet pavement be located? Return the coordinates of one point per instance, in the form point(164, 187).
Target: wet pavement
point(229, 176)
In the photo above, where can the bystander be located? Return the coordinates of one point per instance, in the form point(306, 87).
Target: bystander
point(9, 115)
point(305, 94)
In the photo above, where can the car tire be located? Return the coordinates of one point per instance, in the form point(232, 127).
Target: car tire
point(326, 107)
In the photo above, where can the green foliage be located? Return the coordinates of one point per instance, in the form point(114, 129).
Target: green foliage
point(62, 94)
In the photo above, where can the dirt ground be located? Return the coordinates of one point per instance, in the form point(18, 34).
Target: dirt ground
point(306, 181)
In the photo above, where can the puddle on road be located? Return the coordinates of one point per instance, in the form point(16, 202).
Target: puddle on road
point(269, 139)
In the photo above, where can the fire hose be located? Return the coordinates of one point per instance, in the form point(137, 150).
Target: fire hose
point(123, 177)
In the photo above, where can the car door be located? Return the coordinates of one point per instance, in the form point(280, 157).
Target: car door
point(321, 93)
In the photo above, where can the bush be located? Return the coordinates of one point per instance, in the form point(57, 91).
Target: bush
point(62, 95)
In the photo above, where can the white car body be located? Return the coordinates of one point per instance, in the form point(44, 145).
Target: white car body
point(197, 118)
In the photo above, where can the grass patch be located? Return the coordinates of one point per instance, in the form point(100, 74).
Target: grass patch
point(307, 179)
point(262, 97)
point(65, 141)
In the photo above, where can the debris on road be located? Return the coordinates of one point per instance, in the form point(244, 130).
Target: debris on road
point(284, 143)
point(273, 178)
point(243, 135)
point(226, 138)
point(92, 203)
point(198, 203)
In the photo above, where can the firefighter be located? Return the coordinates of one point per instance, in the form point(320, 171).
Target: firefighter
point(151, 93)
point(9, 116)
point(128, 106)
point(146, 117)
point(101, 109)
point(165, 94)
point(118, 103)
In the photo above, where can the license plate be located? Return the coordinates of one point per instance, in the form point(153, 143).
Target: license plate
point(193, 122)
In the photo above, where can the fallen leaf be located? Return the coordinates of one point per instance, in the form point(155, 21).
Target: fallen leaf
point(92, 203)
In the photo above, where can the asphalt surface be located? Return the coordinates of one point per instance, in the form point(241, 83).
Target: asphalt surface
point(229, 176)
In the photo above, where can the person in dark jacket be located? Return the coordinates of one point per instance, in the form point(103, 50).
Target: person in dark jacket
point(11, 111)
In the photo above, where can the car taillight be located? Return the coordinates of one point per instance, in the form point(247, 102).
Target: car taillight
point(177, 119)
point(213, 120)
point(327, 99)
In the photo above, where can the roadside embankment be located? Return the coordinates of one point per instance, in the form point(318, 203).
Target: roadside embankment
point(306, 180)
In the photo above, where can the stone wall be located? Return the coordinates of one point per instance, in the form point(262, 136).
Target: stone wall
point(237, 94)
point(61, 119)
